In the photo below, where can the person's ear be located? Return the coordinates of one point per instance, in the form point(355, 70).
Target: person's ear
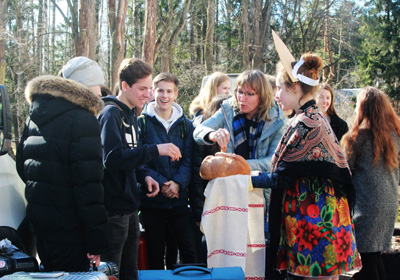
point(124, 86)
point(296, 88)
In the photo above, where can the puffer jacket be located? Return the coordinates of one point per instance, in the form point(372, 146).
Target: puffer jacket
point(266, 144)
point(59, 159)
point(162, 169)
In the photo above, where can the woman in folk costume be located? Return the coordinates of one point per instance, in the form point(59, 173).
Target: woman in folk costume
point(372, 148)
point(312, 194)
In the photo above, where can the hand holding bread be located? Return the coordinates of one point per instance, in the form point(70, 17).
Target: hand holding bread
point(220, 136)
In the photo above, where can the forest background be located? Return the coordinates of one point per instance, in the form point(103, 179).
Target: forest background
point(358, 40)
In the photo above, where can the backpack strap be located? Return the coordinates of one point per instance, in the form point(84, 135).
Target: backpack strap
point(112, 103)
point(142, 126)
point(183, 128)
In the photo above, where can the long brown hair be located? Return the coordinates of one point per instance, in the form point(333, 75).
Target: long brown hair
point(331, 110)
point(376, 113)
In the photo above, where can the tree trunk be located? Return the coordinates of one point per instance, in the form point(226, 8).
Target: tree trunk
point(86, 29)
point(256, 56)
point(24, 74)
point(3, 19)
point(228, 19)
point(246, 34)
point(199, 38)
point(53, 41)
point(149, 31)
point(265, 18)
point(216, 39)
point(116, 21)
point(208, 52)
point(137, 37)
point(191, 39)
point(340, 46)
point(40, 31)
point(73, 8)
point(168, 53)
point(160, 41)
point(46, 47)
point(328, 71)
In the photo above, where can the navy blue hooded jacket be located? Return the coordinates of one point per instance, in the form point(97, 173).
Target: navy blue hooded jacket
point(123, 157)
point(162, 169)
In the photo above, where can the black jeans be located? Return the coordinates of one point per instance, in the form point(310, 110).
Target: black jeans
point(62, 257)
point(178, 219)
point(123, 242)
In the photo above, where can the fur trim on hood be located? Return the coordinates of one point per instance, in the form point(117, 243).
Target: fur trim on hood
point(70, 90)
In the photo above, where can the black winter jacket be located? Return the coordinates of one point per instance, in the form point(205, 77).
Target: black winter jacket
point(339, 126)
point(59, 159)
point(198, 185)
point(123, 157)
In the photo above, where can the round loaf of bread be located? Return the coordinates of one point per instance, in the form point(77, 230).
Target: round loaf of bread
point(223, 165)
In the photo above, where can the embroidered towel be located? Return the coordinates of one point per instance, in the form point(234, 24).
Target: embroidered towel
point(232, 223)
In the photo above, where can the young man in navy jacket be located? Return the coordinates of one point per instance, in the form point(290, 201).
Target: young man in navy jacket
point(123, 159)
point(163, 121)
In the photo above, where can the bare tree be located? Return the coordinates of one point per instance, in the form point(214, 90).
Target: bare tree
point(170, 29)
point(261, 31)
point(329, 71)
point(87, 29)
point(209, 40)
point(246, 34)
point(40, 29)
point(116, 22)
point(149, 31)
point(3, 20)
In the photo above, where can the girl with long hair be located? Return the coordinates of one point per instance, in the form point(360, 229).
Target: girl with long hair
point(218, 83)
point(311, 230)
point(372, 148)
point(325, 103)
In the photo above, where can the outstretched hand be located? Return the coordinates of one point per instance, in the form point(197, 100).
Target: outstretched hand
point(169, 149)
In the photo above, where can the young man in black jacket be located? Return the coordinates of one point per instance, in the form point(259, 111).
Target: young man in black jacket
point(123, 159)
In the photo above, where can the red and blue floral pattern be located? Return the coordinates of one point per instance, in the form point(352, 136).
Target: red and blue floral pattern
point(317, 234)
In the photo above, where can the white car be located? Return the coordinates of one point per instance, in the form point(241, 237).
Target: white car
point(13, 224)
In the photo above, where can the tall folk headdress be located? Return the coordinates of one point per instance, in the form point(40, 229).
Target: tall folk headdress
point(287, 58)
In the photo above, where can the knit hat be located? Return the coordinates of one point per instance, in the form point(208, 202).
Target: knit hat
point(83, 70)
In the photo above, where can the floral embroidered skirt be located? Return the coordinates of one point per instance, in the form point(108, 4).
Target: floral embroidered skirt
point(317, 234)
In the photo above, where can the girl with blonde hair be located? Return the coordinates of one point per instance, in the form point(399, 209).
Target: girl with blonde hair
point(372, 148)
point(217, 83)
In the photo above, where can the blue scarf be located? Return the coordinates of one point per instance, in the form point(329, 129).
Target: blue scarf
point(240, 135)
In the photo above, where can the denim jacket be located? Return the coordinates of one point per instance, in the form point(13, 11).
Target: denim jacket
point(266, 144)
